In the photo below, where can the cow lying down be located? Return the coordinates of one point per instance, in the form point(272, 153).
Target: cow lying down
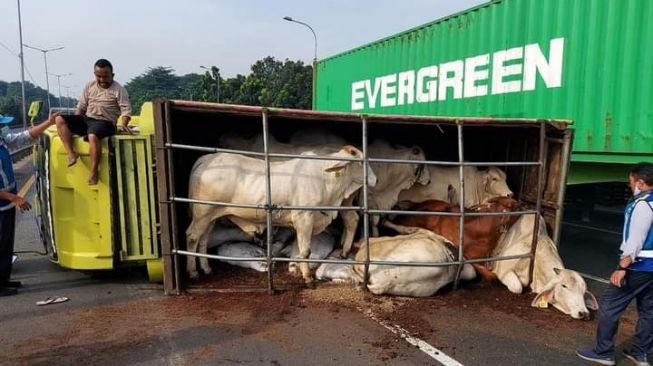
point(563, 288)
point(234, 242)
point(335, 272)
point(415, 245)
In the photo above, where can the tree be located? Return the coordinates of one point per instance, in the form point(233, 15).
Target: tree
point(278, 84)
point(160, 82)
point(11, 95)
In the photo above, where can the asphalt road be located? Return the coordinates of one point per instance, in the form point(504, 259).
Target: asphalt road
point(121, 319)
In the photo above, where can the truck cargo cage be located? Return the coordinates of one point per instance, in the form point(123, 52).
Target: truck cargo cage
point(542, 145)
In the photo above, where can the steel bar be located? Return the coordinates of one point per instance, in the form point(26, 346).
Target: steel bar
point(335, 158)
point(264, 207)
point(538, 203)
point(268, 198)
point(461, 197)
point(349, 262)
point(366, 215)
point(437, 213)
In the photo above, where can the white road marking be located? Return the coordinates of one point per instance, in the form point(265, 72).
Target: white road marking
point(431, 351)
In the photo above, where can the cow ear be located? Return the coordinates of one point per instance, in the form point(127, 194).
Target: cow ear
point(336, 166)
point(557, 271)
point(590, 301)
point(353, 151)
point(543, 299)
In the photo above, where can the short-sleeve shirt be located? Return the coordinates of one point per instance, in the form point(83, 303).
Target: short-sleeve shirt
point(104, 104)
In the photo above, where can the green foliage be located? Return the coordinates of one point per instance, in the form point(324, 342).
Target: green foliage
point(11, 94)
point(270, 83)
point(160, 82)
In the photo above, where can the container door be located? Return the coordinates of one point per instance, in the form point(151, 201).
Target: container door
point(556, 166)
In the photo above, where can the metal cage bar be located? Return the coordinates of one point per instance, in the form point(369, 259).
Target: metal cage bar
point(366, 215)
point(350, 262)
point(268, 199)
point(334, 158)
point(538, 202)
point(461, 198)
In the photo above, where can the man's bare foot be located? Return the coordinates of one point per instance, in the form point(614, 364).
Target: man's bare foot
point(72, 159)
point(92, 180)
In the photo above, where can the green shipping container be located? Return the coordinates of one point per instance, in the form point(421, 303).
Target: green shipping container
point(585, 60)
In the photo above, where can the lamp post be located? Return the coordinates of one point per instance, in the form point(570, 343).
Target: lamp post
point(217, 81)
point(290, 19)
point(59, 76)
point(45, 59)
point(67, 87)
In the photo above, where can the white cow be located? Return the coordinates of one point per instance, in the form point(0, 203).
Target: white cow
point(563, 288)
point(480, 186)
point(416, 245)
point(235, 178)
point(391, 178)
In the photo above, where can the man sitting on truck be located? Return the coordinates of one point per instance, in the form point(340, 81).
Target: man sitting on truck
point(102, 102)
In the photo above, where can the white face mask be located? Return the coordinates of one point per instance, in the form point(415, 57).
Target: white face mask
point(636, 191)
point(4, 131)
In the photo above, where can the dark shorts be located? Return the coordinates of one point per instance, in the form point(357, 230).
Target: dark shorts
point(83, 126)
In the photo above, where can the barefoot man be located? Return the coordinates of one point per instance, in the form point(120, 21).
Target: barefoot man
point(102, 102)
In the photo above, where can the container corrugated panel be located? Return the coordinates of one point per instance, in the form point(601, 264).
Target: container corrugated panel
point(586, 60)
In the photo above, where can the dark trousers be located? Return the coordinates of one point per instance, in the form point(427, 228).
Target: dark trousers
point(7, 230)
point(615, 300)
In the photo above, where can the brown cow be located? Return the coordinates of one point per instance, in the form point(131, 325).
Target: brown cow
point(481, 232)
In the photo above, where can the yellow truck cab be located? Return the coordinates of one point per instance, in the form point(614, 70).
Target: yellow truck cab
point(103, 226)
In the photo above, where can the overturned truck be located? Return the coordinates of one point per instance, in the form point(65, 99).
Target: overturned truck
point(533, 154)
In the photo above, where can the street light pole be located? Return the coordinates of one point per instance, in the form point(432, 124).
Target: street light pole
point(217, 82)
point(313, 84)
point(59, 76)
point(312, 31)
point(45, 59)
point(22, 66)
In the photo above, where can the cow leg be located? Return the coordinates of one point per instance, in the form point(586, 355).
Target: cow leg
point(203, 243)
point(196, 229)
point(375, 225)
point(304, 242)
point(512, 282)
point(350, 222)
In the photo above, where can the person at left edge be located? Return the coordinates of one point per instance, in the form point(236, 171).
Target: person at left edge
point(9, 198)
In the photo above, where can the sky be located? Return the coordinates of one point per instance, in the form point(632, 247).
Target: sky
point(138, 34)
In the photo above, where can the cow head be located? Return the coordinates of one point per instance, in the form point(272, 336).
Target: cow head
point(339, 167)
point(568, 293)
point(494, 183)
